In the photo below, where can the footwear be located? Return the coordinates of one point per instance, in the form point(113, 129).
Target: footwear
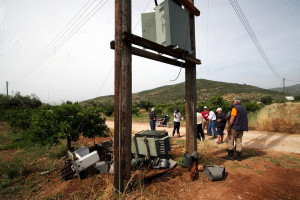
point(230, 155)
point(238, 157)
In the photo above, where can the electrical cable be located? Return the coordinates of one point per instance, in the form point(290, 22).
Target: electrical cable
point(292, 80)
point(59, 35)
point(70, 34)
point(246, 24)
point(141, 16)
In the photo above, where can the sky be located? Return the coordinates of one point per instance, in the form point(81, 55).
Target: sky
point(78, 64)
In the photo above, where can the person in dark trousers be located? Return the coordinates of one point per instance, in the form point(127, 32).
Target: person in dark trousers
point(177, 118)
point(200, 133)
point(152, 118)
point(221, 123)
point(237, 125)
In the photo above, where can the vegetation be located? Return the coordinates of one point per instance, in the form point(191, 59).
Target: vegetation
point(267, 100)
point(48, 125)
point(206, 90)
point(278, 118)
point(290, 90)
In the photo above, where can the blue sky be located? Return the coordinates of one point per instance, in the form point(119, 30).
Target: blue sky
point(82, 68)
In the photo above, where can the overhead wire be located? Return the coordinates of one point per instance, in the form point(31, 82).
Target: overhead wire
point(60, 34)
point(60, 43)
point(140, 16)
point(247, 26)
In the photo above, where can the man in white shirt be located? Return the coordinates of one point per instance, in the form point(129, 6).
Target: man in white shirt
point(177, 118)
point(199, 125)
point(212, 123)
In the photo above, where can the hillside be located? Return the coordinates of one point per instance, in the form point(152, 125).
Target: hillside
point(292, 90)
point(206, 89)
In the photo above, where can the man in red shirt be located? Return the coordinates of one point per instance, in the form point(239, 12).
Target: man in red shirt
point(205, 122)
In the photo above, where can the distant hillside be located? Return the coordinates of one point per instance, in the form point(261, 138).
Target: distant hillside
point(206, 89)
point(293, 90)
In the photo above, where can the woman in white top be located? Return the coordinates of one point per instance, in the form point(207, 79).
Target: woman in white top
point(177, 118)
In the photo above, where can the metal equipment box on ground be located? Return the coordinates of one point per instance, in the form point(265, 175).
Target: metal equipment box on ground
point(151, 143)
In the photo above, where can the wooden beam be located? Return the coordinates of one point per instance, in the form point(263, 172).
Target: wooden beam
point(134, 39)
point(190, 94)
point(152, 56)
point(123, 96)
point(189, 6)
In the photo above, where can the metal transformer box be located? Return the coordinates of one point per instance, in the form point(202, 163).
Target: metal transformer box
point(151, 143)
point(172, 25)
point(168, 25)
point(149, 26)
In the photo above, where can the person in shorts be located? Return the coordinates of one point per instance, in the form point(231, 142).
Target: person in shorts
point(221, 123)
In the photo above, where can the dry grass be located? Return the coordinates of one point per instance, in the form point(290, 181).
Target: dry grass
point(283, 117)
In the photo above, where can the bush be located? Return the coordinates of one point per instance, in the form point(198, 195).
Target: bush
point(67, 121)
point(267, 100)
point(107, 107)
point(251, 106)
point(145, 104)
point(18, 117)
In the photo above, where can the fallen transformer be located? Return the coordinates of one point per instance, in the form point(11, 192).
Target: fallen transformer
point(148, 148)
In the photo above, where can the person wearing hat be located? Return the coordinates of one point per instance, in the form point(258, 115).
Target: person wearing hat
point(177, 118)
point(221, 122)
point(205, 122)
point(212, 123)
point(237, 125)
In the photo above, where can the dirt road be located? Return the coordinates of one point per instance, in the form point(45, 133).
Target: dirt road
point(251, 139)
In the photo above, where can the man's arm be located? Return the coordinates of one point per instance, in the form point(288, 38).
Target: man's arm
point(230, 123)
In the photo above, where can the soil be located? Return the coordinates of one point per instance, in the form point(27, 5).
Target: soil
point(263, 173)
point(252, 139)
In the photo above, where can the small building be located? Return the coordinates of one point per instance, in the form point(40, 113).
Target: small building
point(290, 98)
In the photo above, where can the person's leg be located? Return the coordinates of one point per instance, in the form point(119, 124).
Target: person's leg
point(198, 130)
point(209, 129)
point(174, 128)
point(214, 128)
point(178, 132)
point(202, 132)
point(231, 138)
point(238, 141)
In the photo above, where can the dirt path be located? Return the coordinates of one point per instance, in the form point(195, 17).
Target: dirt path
point(251, 139)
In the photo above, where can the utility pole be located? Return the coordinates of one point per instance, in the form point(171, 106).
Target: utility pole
point(6, 88)
point(190, 93)
point(283, 84)
point(123, 96)
point(123, 84)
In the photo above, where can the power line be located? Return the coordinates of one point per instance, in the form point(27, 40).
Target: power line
point(292, 80)
point(67, 36)
point(243, 19)
point(59, 35)
point(71, 33)
point(140, 16)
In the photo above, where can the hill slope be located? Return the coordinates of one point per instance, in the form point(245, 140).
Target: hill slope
point(206, 89)
point(293, 90)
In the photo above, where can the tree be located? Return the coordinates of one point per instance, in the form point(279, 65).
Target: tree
point(67, 121)
point(267, 100)
point(146, 104)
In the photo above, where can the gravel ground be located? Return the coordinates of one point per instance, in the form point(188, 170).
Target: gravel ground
point(252, 139)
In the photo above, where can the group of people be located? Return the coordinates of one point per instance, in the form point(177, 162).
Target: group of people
point(208, 120)
point(215, 125)
point(177, 119)
point(238, 123)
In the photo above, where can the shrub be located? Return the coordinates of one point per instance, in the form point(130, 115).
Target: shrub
point(267, 100)
point(251, 106)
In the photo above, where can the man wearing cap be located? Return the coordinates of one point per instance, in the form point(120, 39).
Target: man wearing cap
point(237, 125)
point(212, 123)
point(205, 122)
